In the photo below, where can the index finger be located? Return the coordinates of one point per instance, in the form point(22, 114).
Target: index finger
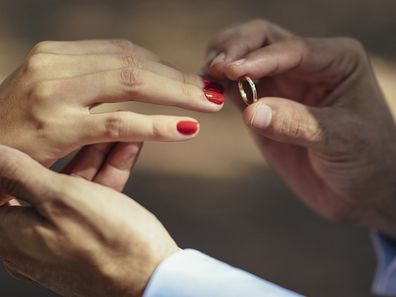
point(299, 56)
point(137, 84)
point(235, 43)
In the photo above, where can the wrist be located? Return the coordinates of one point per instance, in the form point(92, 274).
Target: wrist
point(383, 221)
point(382, 215)
point(379, 212)
point(156, 259)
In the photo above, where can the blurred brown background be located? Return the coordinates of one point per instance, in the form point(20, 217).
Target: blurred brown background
point(215, 193)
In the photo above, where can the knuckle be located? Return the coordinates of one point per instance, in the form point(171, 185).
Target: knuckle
point(115, 126)
point(156, 129)
point(355, 44)
point(53, 208)
point(42, 91)
point(189, 91)
point(188, 78)
point(123, 44)
point(36, 62)
point(358, 49)
point(300, 44)
point(42, 46)
point(223, 36)
point(353, 50)
point(237, 45)
point(131, 78)
point(131, 62)
point(260, 23)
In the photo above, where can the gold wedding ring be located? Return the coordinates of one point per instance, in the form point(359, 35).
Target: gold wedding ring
point(241, 86)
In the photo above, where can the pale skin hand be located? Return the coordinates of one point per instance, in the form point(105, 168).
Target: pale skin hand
point(45, 112)
point(46, 103)
point(322, 120)
point(79, 238)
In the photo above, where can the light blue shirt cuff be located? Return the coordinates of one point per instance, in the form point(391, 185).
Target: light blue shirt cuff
point(385, 277)
point(189, 273)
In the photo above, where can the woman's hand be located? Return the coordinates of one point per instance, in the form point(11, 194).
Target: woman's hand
point(77, 238)
point(46, 103)
point(108, 164)
point(322, 120)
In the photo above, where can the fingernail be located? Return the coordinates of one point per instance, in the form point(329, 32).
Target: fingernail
point(212, 54)
point(262, 116)
point(238, 62)
point(219, 58)
point(187, 127)
point(212, 85)
point(214, 96)
point(214, 92)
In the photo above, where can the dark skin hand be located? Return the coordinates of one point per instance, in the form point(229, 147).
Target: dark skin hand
point(321, 121)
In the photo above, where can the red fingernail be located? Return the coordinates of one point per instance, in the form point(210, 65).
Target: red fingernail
point(214, 96)
point(187, 127)
point(214, 92)
point(211, 85)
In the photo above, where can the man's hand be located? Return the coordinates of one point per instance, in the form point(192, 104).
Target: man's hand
point(322, 120)
point(77, 238)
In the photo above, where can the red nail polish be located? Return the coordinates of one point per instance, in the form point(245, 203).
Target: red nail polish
point(214, 92)
point(214, 96)
point(187, 127)
point(211, 85)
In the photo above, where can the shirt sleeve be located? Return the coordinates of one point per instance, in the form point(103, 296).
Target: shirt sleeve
point(189, 273)
point(385, 277)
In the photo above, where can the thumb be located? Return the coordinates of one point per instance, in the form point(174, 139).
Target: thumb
point(24, 178)
point(288, 121)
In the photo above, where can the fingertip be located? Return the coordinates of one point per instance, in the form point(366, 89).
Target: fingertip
point(238, 63)
point(210, 108)
point(235, 71)
point(214, 93)
point(216, 67)
point(219, 59)
point(247, 114)
point(188, 127)
point(258, 115)
point(216, 71)
point(215, 108)
point(212, 54)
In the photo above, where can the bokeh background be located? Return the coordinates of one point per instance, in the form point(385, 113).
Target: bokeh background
point(216, 193)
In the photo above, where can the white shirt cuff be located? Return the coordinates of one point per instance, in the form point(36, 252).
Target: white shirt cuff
point(189, 273)
point(385, 277)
